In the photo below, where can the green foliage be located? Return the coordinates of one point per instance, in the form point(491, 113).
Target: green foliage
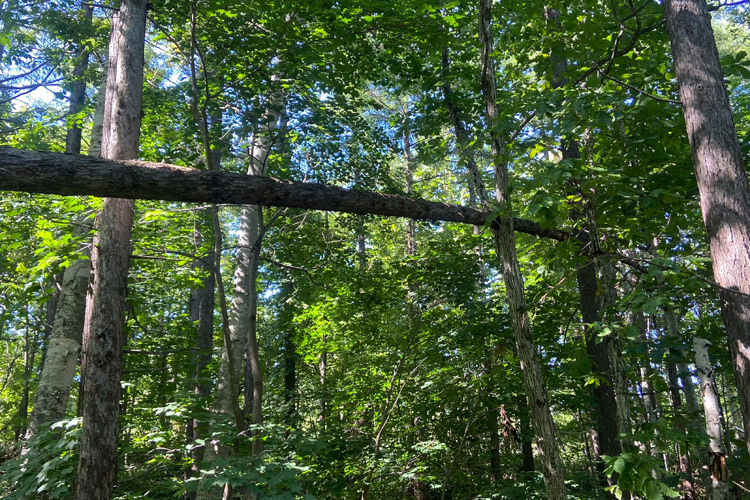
point(384, 372)
point(635, 472)
point(49, 466)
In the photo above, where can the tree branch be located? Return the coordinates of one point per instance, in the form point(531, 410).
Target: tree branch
point(70, 175)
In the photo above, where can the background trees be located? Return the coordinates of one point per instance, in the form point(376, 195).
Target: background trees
point(384, 347)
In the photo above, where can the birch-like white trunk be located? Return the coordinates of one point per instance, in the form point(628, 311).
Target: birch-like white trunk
point(244, 305)
point(714, 419)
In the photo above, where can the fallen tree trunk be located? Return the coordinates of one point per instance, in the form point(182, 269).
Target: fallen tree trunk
point(69, 175)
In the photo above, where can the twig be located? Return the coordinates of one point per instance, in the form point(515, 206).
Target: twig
point(631, 87)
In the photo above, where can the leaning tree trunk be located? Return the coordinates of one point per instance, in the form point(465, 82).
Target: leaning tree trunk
point(64, 343)
point(243, 310)
point(63, 348)
point(720, 172)
point(714, 420)
point(505, 241)
point(102, 338)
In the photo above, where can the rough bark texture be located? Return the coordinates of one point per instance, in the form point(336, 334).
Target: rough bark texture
point(58, 173)
point(720, 172)
point(505, 241)
point(102, 349)
point(714, 419)
point(64, 343)
point(605, 433)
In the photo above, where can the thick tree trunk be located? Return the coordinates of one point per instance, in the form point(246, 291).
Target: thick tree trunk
point(505, 241)
point(58, 173)
point(714, 420)
point(720, 172)
point(102, 348)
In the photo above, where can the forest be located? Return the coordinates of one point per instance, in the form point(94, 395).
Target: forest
point(374, 249)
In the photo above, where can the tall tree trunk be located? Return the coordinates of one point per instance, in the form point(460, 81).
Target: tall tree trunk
point(30, 343)
point(290, 378)
point(102, 347)
point(688, 489)
point(63, 348)
point(78, 89)
point(714, 420)
point(592, 300)
point(242, 315)
point(505, 241)
point(526, 436)
point(202, 304)
point(411, 231)
point(66, 332)
point(720, 172)
point(97, 125)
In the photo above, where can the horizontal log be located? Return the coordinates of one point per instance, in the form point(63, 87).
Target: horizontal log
point(69, 175)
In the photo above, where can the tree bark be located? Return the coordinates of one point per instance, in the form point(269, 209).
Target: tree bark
point(64, 346)
point(720, 172)
point(605, 432)
point(714, 420)
point(102, 348)
point(57, 173)
point(202, 304)
point(505, 241)
point(78, 89)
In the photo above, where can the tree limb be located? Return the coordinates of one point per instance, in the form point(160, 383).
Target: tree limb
point(70, 175)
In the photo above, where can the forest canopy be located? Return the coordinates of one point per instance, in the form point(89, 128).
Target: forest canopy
point(374, 249)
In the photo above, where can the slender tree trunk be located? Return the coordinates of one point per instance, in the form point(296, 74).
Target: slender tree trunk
point(102, 348)
point(411, 231)
point(505, 241)
point(720, 172)
point(97, 125)
point(202, 304)
point(605, 432)
point(688, 489)
point(78, 89)
point(714, 420)
point(66, 330)
point(30, 342)
point(526, 435)
point(290, 378)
